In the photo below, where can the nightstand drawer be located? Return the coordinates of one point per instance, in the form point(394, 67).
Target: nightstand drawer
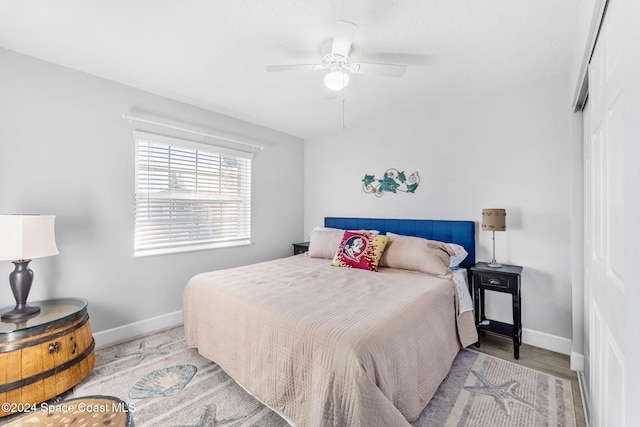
point(498, 282)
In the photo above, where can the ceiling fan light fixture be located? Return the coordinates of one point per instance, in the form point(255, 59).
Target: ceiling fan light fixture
point(336, 80)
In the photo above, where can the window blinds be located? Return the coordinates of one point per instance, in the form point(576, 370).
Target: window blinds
point(190, 195)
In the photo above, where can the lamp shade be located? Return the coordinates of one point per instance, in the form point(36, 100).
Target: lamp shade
point(336, 80)
point(24, 237)
point(493, 219)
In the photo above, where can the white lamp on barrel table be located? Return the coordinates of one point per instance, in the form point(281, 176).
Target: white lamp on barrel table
point(494, 220)
point(23, 238)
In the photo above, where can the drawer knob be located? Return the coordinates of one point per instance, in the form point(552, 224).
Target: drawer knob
point(494, 282)
point(53, 348)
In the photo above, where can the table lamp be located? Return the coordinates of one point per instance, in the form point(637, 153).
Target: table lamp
point(494, 220)
point(23, 238)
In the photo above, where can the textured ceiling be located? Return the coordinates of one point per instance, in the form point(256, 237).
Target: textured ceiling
point(213, 53)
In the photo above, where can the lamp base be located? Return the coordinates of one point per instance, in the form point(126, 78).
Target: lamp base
point(20, 279)
point(494, 264)
point(19, 313)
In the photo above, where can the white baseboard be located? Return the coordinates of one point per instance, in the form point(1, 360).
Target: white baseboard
point(131, 330)
point(577, 361)
point(546, 341)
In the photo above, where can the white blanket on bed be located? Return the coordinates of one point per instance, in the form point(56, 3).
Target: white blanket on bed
point(460, 278)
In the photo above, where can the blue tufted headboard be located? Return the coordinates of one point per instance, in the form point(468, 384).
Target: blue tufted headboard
point(460, 232)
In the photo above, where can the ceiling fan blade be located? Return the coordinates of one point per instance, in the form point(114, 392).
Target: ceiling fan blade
point(343, 37)
point(294, 67)
point(390, 70)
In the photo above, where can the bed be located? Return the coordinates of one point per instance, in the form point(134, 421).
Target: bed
point(329, 346)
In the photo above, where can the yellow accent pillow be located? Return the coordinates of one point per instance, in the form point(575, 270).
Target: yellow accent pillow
point(360, 250)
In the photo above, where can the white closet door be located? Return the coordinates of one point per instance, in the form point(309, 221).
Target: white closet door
point(588, 226)
point(610, 201)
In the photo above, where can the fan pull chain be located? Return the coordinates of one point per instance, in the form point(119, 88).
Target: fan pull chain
point(344, 83)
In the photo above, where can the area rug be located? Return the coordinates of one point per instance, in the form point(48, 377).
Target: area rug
point(167, 384)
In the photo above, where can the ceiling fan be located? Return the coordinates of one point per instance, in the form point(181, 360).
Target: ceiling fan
point(338, 61)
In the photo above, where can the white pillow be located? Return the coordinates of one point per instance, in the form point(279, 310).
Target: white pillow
point(418, 254)
point(459, 255)
point(318, 228)
point(374, 232)
point(323, 243)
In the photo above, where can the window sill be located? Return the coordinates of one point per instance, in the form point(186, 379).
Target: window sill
point(191, 248)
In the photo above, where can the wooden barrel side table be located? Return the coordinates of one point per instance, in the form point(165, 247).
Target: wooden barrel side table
point(45, 355)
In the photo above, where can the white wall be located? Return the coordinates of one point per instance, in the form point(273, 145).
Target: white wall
point(589, 13)
point(509, 150)
point(65, 150)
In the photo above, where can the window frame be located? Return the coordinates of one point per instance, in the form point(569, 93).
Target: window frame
point(196, 244)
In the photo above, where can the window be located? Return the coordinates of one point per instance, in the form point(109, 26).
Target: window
point(190, 195)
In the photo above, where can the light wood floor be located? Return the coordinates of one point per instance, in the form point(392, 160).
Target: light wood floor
point(536, 358)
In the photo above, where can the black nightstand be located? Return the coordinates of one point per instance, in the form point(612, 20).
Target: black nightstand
point(504, 279)
point(300, 248)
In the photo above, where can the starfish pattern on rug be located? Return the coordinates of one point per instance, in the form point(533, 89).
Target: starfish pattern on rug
point(145, 351)
point(503, 394)
point(208, 418)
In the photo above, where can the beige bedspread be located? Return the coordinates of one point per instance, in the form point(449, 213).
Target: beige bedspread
point(329, 346)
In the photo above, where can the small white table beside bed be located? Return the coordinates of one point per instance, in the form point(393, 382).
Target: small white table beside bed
point(330, 346)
